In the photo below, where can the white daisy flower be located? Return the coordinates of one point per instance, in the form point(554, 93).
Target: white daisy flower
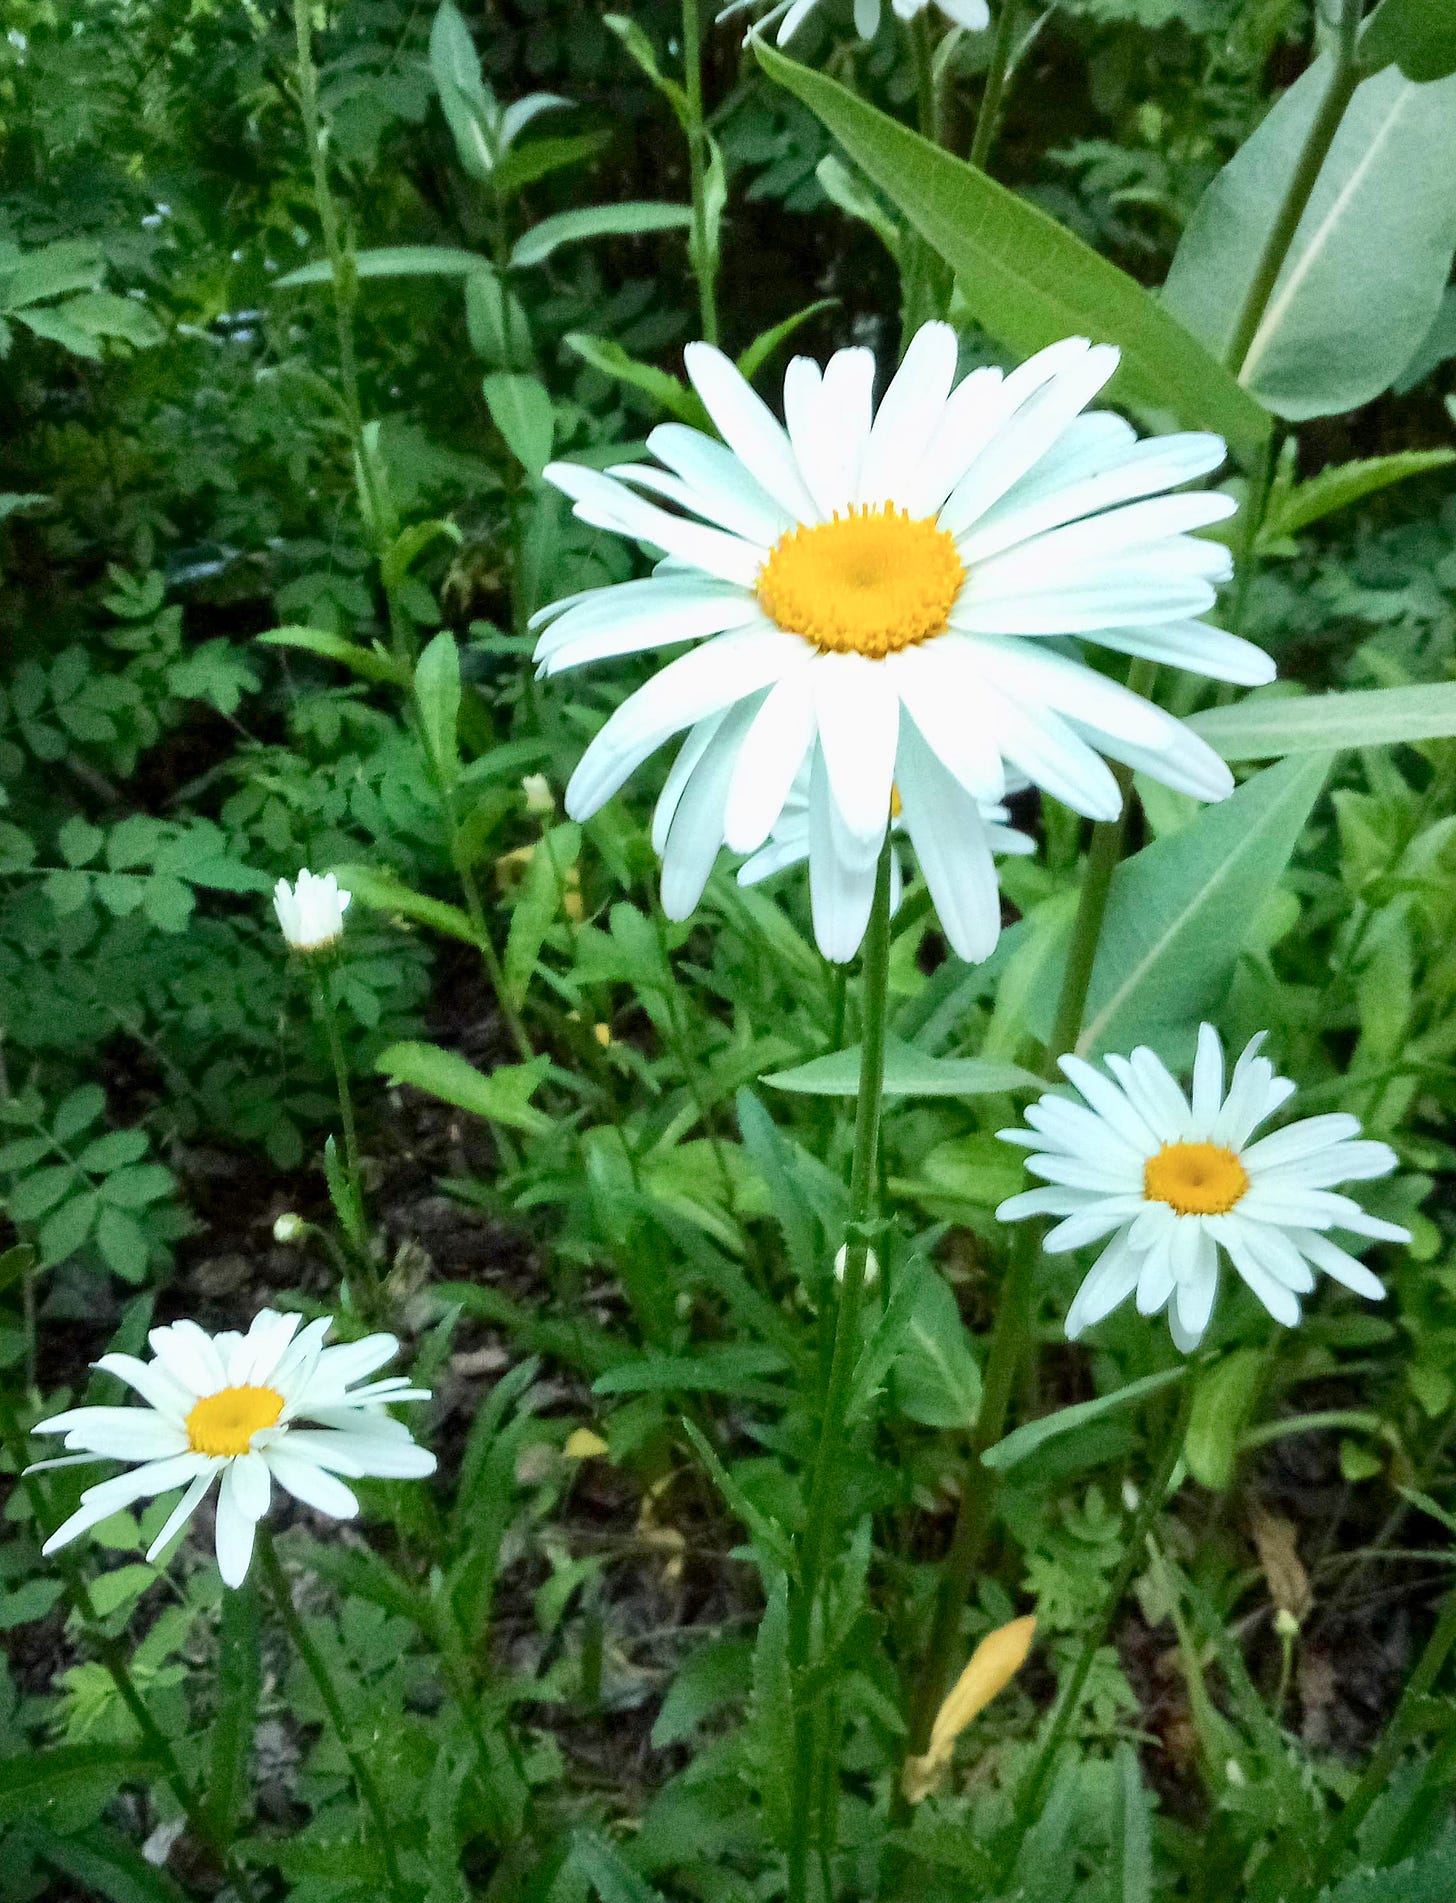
point(244, 1410)
point(311, 913)
point(974, 15)
point(873, 593)
point(1174, 1181)
point(788, 845)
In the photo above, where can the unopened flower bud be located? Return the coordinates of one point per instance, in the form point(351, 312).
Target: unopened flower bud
point(540, 800)
point(311, 911)
point(871, 1269)
point(288, 1227)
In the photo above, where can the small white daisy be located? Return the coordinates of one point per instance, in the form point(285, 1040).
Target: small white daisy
point(788, 845)
point(1174, 1182)
point(874, 593)
point(974, 15)
point(311, 912)
point(246, 1410)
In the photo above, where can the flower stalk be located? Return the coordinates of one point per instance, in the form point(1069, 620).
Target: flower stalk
point(703, 245)
point(313, 1663)
point(815, 1744)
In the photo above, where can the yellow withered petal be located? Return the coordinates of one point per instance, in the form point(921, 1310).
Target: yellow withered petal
point(583, 1444)
point(991, 1668)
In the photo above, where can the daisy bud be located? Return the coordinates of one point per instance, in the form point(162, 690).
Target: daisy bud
point(289, 1228)
point(540, 800)
point(872, 1266)
point(311, 912)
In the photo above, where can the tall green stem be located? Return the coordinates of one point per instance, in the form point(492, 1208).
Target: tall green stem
point(313, 1663)
point(113, 1656)
point(1344, 78)
point(1000, 66)
point(822, 1519)
point(703, 260)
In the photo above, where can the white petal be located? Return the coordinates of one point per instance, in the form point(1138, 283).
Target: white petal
point(738, 502)
point(1191, 1309)
point(609, 504)
point(1110, 1281)
point(1186, 762)
point(971, 415)
point(1047, 750)
point(949, 836)
point(181, 1514)
point(1157, 1277)
point(188, 1355)
point(1280, 1301)
point(233, 1535)
point(937, 683)
point(695, 837)
point(749, 428)
point(1091, 1225)
point(1116, 596)
point(830, 434)
point(769, 761)
point(1037, 678)
point(311, 1484)
point(153, 1383)
point(679, 773)
point(635, 616)
point(1207, 1095)
point(1338, 1263)
point(841, 894)
point(1195, 647)
point(908, 416)
point(98, 1503)
point(696, 684)
point(857, 712)
point(120, 1433)
point(1111, 1105)
point(1298, 1140)
point(1053, 1200)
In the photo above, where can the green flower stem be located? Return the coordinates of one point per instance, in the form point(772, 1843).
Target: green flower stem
point(926, 114)
point(702, 261)
point(1343, 81)
point(691, 1070)
point(113, 1656)
point(996, 73)
point(328, 1016)
point(485, 944)
point(822, 1520)
point(1070, 1693)
point(278, 1589)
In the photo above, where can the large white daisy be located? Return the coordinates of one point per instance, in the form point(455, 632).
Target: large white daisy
point(243, 1410)
point(791, 14)
point(875, 592)
point(789, 845)
point(1175, 1181)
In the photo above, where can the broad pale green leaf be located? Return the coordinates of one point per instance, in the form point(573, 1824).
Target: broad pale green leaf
point(908, 1073)
point(1418, 35)
point(1362, 281)
point(1025, 278)
point(70, 264)
point(1025, 1441)
point(1221, 1403)
point(1344, 484)
point(539, 904)
point(1269, 726)
point(520, 408)
point(394, 261)
point(33, 1780)
point(1171, 937)
point(501, 1096)
point(598, 221)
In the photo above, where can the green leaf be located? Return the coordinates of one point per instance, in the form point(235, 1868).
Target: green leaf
point(382, 892)
point(370, 664)
point(908, 1073)
point(123, 1244)
point(110, 1152)
point(539, 904)
point(521, 410)
point(70, 264)
point(495, 322)
point(36, 1780)
point(79, 841)
point(103, 1864)
point(65, 1230)
point(1222, 1399)
point(437, 695)
point(771, 1715)
point(608, 1872)
point(1024, 277)
point(15, 1265)
point(1269, 726)
point(1418, 35)
point(503, 1096)
point(664, 389)
point(1025, 1441)
point(727, 1370)
point(767, 1534)
point(630, 219)
point(764, 345)
point(393, 261)
point(540, 157)
point(937, 1381)
point(1362, 280)
point(1343, 484)
point(1429, 1877)
point(1178, 909)
point(469, 108)
point(33, 1195)
point(77, 1112)
point(1133, 1840)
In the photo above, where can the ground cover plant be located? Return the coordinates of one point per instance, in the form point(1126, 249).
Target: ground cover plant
point(726, 894)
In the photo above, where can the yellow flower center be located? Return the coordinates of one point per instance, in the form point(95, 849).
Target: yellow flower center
point(1196, 1179)
point(870, 582)
point(225, 1422)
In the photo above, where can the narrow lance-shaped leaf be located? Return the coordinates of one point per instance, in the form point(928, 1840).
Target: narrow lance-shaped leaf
point(1024, 277)
point(1269, 726)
